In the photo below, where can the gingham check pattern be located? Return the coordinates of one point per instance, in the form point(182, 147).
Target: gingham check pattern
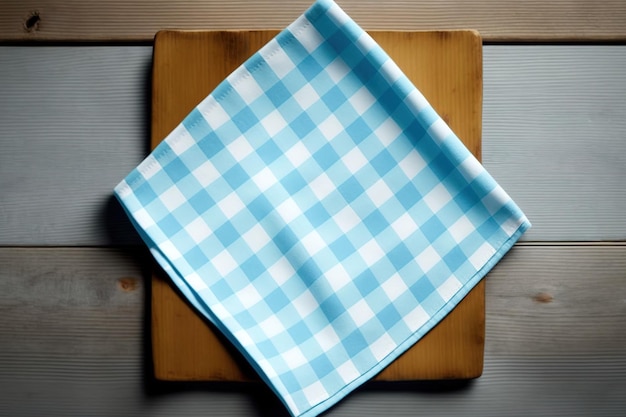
point(318, 211)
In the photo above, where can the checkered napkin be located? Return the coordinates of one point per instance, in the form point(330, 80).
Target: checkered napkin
point(318, 211)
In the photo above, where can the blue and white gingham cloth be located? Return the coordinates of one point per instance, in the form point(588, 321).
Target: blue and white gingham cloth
point(319, 212)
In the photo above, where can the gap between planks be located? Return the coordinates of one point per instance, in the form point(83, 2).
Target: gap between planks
point(131, 247)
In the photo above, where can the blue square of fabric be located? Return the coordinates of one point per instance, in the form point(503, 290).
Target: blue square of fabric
point(319, 212)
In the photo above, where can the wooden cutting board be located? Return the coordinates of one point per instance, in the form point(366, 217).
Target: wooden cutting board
point(447, 68)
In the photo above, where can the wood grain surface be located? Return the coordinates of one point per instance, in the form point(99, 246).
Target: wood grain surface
point(139, 20)
point(446, 66)
point(73, 342)
point(553, 126)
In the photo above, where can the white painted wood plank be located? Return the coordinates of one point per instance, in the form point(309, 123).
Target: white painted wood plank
point(72, 342)
point(555, 136)
point(140, 19)
point(75, 121)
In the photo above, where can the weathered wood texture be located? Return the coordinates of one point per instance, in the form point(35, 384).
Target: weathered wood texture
point(75, 121)
point(507, 20)
point(72, 342)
